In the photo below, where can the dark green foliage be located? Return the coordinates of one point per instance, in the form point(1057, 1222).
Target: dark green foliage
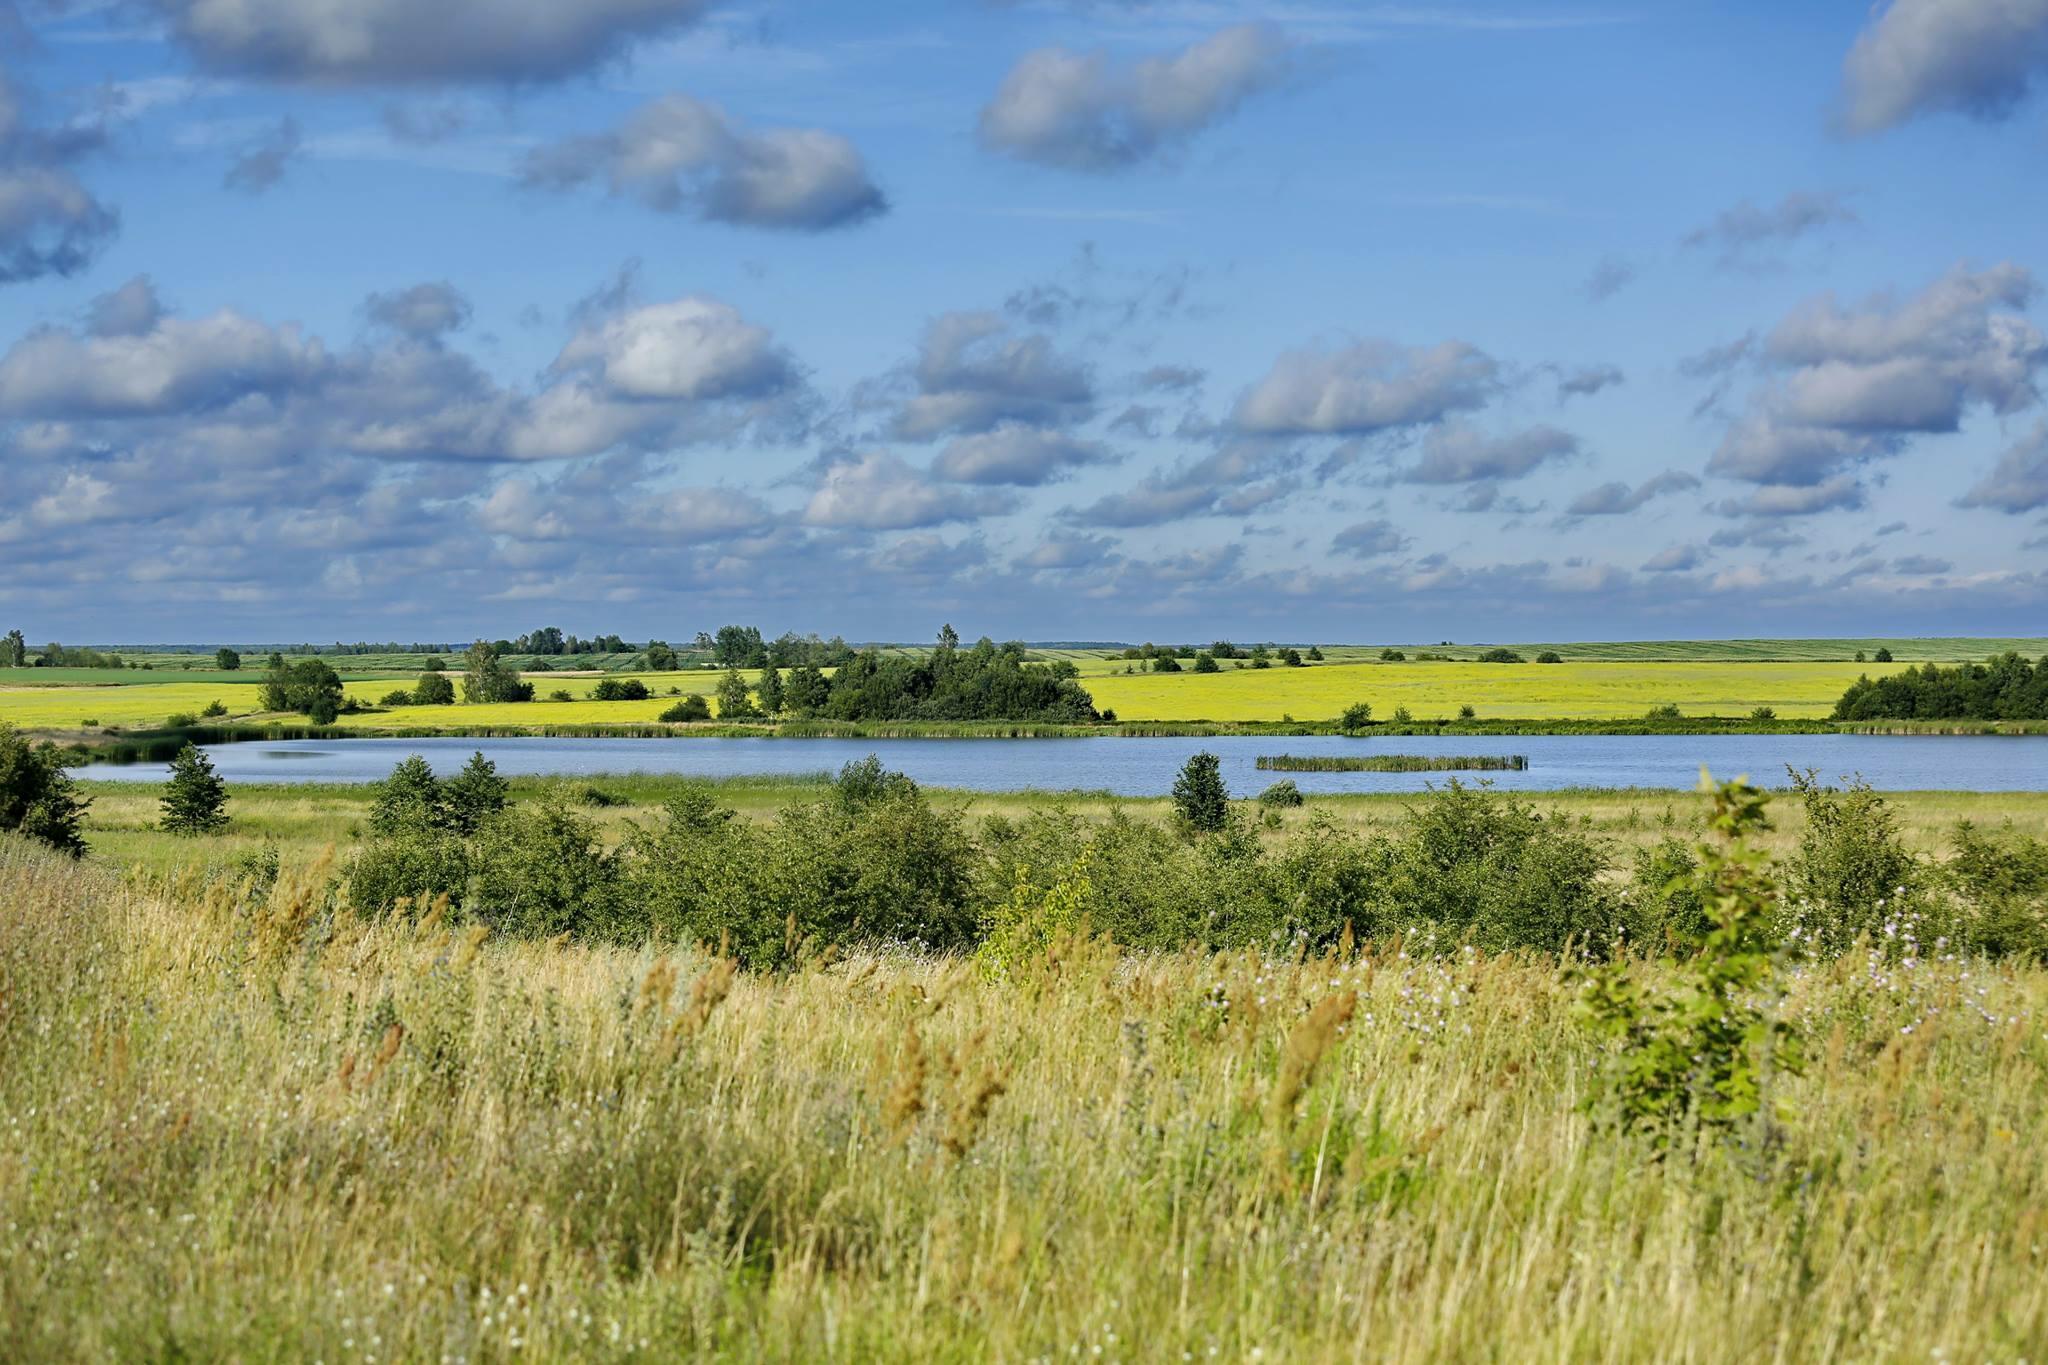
point(660, 658)
point(1315, 654)
point(36, 794)
point(1668, 909)
point(1852, 868)
point(1392, 656)
point(2008, 687)
point(213, 709)
point(485, 677)
point(541, 869)
point(771, 691)
point(1199, 797)
point(735, 700)
point(227, 660)
point(2002, 881)
point(474, 795)
point(870, 862)
point(1668, 711)
point(1282, 795)
point(416, 864)
point(433, 689)
point(692, 707)
point(1499, 655)
point(396, 697)
point(1763, 713)
point(806, 690)
point(1481, 864)
point(1466, 712)
point(195, 800)
point(180, 720)
point(1356, 717)
point(411, 799)
point(14, 650)
point(1550, 656)
point(1205, 662)
point(1698, 1060)
point(1292, 658)
point(1883, 655)
point(307, 686)
point(1166, 663)
point(619, 689)
point(986, 682)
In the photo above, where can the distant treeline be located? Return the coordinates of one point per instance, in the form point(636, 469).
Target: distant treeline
point(2009, 687)
point(1391, 763)
point(743, 647)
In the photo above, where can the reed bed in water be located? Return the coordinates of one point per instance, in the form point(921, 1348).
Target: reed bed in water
point(1391, 763)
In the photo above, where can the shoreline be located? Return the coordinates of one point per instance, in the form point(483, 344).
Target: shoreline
point(116, 747)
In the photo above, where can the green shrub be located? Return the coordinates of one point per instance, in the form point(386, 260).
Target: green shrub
point(1499, 655)
point(1282, 794)
point(1852, 870)
point(540, 870)
point(1356, 717)
point(1550, 656)
point(433, 688)
point(37, 796)
point(214, 709)
point(692, 707)
point(415, 864)
point(2001, 881)
point(398, 696)
point(619, 689)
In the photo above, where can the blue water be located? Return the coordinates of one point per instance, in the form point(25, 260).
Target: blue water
point(1146, 767)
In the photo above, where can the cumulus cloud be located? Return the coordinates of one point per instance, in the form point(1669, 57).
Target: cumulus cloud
point(973, 373)
point(261, 164)
point(1676, 559)
point(692, 349)
point(1737, 234)
point(1975, 57)
point(229, 386)
point(1587, 381)
point(678, 154)
point(1457, 453)
point(425, 312)
point(1067, 551)
point(880, 492)
point(1855, 383)
point(1077, 111)
point(50, 224)
point(1019, 455)
point(1235, 481)
point(1796, 500)
point(2019, 481)
point(1371, 539)
point(1367, 387)
point(1920, 566)
point(1618, 499)
point(404, 42)
point(131, 310)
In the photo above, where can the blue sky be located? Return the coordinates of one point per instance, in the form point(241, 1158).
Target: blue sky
point(1111, 320)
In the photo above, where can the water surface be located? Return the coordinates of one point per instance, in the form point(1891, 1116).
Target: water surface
point(1146, 767)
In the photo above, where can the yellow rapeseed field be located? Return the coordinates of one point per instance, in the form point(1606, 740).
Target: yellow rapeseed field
point(1589, 691)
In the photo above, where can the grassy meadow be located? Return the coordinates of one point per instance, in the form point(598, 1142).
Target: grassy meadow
point(304, 821)
point(257, 1126)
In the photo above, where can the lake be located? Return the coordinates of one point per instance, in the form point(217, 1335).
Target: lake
point(1146, 767)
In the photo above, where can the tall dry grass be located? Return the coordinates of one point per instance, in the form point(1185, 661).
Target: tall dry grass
point(235, 1127)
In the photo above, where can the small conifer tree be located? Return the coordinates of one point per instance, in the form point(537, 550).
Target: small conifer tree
point(195, 800)
point(1199, 796)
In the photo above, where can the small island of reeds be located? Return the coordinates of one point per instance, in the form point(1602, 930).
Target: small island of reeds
point(1391, 763)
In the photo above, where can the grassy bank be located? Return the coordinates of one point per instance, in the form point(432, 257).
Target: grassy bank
point(263, 1131)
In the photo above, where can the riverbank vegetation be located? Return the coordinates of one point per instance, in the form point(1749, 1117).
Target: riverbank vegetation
point(2009, 687)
